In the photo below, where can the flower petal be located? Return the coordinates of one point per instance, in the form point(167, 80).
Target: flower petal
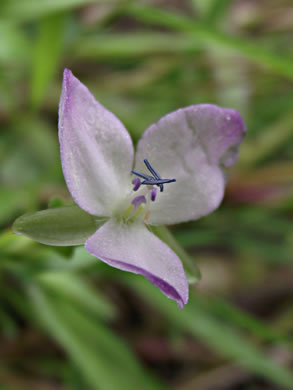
point(96, 149)
point(133, 248)
point(194, 145)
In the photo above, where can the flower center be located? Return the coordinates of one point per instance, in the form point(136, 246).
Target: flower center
point(140, 203)
point(146, 193)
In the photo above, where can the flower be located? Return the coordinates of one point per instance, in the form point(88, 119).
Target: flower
point(192, 147)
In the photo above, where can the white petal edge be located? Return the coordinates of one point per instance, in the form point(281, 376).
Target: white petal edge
point(134, 249)
point(96, 149)
point(193, 145)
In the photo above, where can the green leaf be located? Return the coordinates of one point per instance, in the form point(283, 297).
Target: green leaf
point(46, 56)
point(216, 11)
point(221, 337)
point(131, 45)
point(72, 286)
point(33, 9)
point(202, 6)
point(268, 142)
point(105, 361)
point(243, 319)
point(60, 226)
point(204, 34)
point(14, 45)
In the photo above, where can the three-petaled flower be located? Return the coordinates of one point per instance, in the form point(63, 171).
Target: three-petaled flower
point(194, 145)
point(185, 154)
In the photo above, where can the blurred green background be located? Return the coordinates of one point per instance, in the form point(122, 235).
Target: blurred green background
point(70, 322)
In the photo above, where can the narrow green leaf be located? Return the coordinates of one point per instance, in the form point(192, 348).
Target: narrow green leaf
point(204, 34)
point(217, 10)
point(46, 56)
point(202, 6)
point(60, 328)
point(219, 336)
point(33, 9)
point(72, 286)
point(126, 45)
point(60, 226)
point(268, 142)
point(104, 360)
point(243, 319)
point(14, 45)
point(211, 11)
point(112, 351)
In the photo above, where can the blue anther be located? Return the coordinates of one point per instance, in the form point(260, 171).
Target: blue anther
point(151, 169)
point(155, 179)
point(142, 175)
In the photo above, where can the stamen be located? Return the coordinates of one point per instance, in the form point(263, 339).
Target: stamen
point(137, 201)
point(151, 169)
point(136, 183)
point(155, 179)
point(142, 175)
point(153, 194)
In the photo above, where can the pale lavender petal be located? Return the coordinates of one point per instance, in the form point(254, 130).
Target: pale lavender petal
point(133, 248)
point(96, 149)
point(194, 145)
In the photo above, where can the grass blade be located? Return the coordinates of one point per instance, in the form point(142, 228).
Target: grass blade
point(203, 33)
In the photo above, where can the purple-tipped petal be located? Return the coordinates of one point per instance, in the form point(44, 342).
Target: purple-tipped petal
point(222, 135)
point(133, 248)
point(96, 149)
point(194, 145)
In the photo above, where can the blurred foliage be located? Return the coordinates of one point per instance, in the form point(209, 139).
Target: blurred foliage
point(70, 322)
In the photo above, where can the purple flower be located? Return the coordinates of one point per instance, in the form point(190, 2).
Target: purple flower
point(193, 145)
